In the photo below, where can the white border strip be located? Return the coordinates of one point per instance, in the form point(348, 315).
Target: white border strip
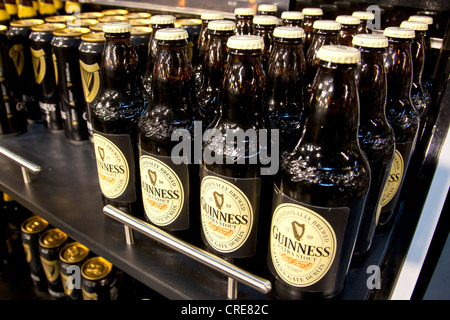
point(431, 212)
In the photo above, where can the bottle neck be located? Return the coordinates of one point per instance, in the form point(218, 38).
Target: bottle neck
point(241, 97)
point(418, 56)
point(119, 68)
point(319, 39)
point(399, 71)
point(172, 74)
point(331, 118)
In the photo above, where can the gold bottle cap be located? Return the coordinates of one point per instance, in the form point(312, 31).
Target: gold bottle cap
point(141, 30)
point(96, 268)
point(117, 27)
point(52, 238)
point(163, 19)
point(50, 27)
point(326, 25)
point(397, 32)
point(245, 42)
point(171, 34)
point(138, 15)
point(419, 18)
point(289, 32)
point(265, 20)
point(222, 25)
point(107, 19)
point(339, 54)
point(115, 12)
point(89, 15)
point(71, 32)
point(364, 15)
point(93, 37)
point(348, 20)
point(211, 16)
point(26, 23)
point(244, 12)
point(81, 23)
point(312, 11)
point(188, 22)
point(73, 252)
point(415, 25)
point(370, 40)
point(140, 22)
point(97, 27)
point(33, 225)
point(292, 15)
point(59, 19)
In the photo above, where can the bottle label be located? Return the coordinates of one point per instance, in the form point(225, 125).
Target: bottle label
point(164, 188)
point(305, 241)
point(111, 153)
point(228, 208)
point(394, 180)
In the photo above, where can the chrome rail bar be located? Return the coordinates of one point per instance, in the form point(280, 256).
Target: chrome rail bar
point(234, 273)
point(25, 165)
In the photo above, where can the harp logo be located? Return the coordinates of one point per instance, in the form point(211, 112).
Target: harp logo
point(302, 245)
point(90, 78)
point(39, 65)
point(55, 65)
point(18, 58)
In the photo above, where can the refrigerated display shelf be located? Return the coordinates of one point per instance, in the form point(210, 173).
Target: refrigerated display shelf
point(67, 194)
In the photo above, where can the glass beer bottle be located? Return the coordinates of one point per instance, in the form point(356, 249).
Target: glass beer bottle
point(231, 183)
point(263, 26)
point(285, 94)
point(376, 136)
point(214, 64)
point(169, 181)
point(292, 19)
point(320, 191)
point(325, 33)
point(310, 16)
point(349, 28)
point(364, 17)
point(114, 116)
point(401, 115)
point(244, 21)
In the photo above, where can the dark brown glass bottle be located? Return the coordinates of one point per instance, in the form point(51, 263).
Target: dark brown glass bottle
point(232, 187)
point(157, 22)
point(285, 78)
point(214, 64)
point(364, 17)
point(244, 20)
point(420, 95)
point(267, 9)
point(320, 191)
point(310, 16)
point(114, 116)
point(202, 44)
point(292, 19)
point(376, 136)
point(401, 115)
point(169, 180)
point(325, 33)
point(11, 9)
point(349, 28)
point(26, 10)
point(263, 26)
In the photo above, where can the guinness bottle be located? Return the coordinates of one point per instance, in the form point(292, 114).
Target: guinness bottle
point(292, 19)
point(263, 26)
point(169, 180)
point(325, 33)
point(376, 136)
point(310, 16)
point(114, 115)
point(349, 28)
point(214, 64)
point(285, 93)
point(232, 186)
point(364, 17)
point(244, 20)
point(420, 95)
point(322, 186)
point(401, 115)
point(157, 22)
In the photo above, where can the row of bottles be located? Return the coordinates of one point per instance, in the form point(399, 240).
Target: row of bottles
point(57, 266)
point(168, 146)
